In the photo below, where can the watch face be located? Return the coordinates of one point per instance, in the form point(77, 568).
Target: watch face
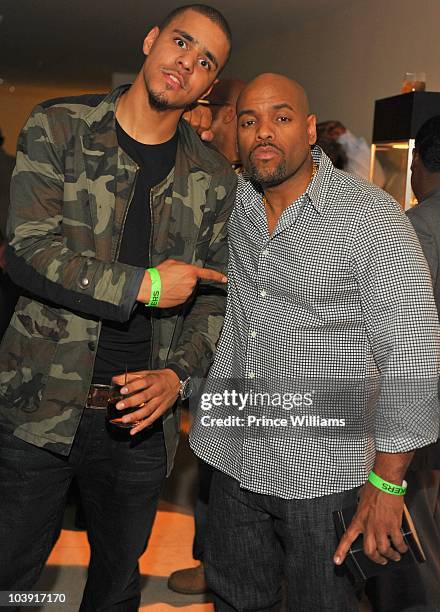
point(186, 388)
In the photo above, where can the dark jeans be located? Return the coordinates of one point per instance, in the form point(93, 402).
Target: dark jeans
point(254, 540)
point(201, 509)
point(120, 479)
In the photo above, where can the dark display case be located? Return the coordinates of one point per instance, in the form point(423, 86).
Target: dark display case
point(396, 122)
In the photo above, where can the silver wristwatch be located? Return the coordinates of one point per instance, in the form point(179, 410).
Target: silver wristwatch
point(186, 388)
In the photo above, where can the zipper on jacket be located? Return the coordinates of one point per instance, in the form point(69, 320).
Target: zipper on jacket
point(150, 242)
point(130, 199)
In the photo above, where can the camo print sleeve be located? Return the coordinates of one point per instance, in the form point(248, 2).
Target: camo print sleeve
point(194, 352)
point(38, 257)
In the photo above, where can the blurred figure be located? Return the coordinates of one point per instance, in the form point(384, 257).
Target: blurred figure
point(222, 101)
point(425, 183)
point(219, 117)
point(7, 163)
point(334, 151)
point(355, 148)
point(8, 290)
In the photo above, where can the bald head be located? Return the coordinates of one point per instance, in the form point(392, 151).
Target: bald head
point(270, 84)
point(275, 130)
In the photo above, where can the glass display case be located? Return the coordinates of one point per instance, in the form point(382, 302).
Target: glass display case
point(396, 122)
point(395, 161)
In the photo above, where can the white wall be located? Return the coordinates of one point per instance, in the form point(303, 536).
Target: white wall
point(351, 57)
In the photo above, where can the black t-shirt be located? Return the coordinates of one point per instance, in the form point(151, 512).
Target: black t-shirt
point(127, 345)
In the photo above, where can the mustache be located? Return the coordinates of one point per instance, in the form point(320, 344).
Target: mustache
point(265, 144)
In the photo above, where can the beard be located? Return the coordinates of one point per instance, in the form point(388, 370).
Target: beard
point(268, 178)
point(158, 101)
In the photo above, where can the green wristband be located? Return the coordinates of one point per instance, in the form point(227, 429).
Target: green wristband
point(156, 286)
point(386, 487)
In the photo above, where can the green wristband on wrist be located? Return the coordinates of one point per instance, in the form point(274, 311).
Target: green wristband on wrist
point(386, 487)
point(156, 286)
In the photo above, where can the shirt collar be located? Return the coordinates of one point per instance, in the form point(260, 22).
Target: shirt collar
point(319, 185)
point(435, 193)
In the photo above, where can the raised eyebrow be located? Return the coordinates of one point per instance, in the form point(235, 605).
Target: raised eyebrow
point(211, 57)
point(185, 35)
point(246, 111)
point(191, 39)
point(283, 105)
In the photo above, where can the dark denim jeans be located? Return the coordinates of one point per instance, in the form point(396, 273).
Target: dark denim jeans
point(120, 479)
point(255, 541)
point(201, 509)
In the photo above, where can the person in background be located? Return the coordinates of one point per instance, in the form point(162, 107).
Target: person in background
point(7, 163)
point(330, 315)
point(9, 292)
point(334, 150)
point(355, 148)
point(220, 116)
point(417, 589)
point(117, 233)
point(222, 102)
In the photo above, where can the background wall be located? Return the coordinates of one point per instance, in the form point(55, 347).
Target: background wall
point(352, 56)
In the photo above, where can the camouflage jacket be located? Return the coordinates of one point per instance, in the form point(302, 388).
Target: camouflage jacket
point(70, 192)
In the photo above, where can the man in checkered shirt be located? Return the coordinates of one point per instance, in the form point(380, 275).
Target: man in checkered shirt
point(326, 368)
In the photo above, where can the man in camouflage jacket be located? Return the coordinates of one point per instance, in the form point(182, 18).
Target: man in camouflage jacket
point(69, 197)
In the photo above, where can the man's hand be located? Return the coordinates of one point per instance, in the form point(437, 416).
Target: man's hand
point(200, 119)
point(379, 518)
point(178, 280)
point(154, 391)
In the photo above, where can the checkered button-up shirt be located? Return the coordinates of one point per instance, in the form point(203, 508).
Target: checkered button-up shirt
point(336, 307)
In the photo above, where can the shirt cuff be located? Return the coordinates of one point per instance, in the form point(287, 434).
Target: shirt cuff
point(181, 373)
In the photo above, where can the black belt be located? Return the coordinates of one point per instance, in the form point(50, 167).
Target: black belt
point(98, 397)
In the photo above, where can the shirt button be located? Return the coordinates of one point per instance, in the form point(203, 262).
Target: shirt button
point(265, 252)
point(253, 334)
point(84, 282)
point(251, 375)
point(263, 293)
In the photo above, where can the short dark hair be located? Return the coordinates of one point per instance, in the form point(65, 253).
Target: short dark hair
point(427, 144)
point(208, 11)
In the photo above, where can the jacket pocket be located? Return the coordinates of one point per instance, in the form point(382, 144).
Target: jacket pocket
point(24, 365)
point(38, 320)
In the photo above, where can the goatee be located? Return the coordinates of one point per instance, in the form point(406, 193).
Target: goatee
point(268, 179)
point(158, 102)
